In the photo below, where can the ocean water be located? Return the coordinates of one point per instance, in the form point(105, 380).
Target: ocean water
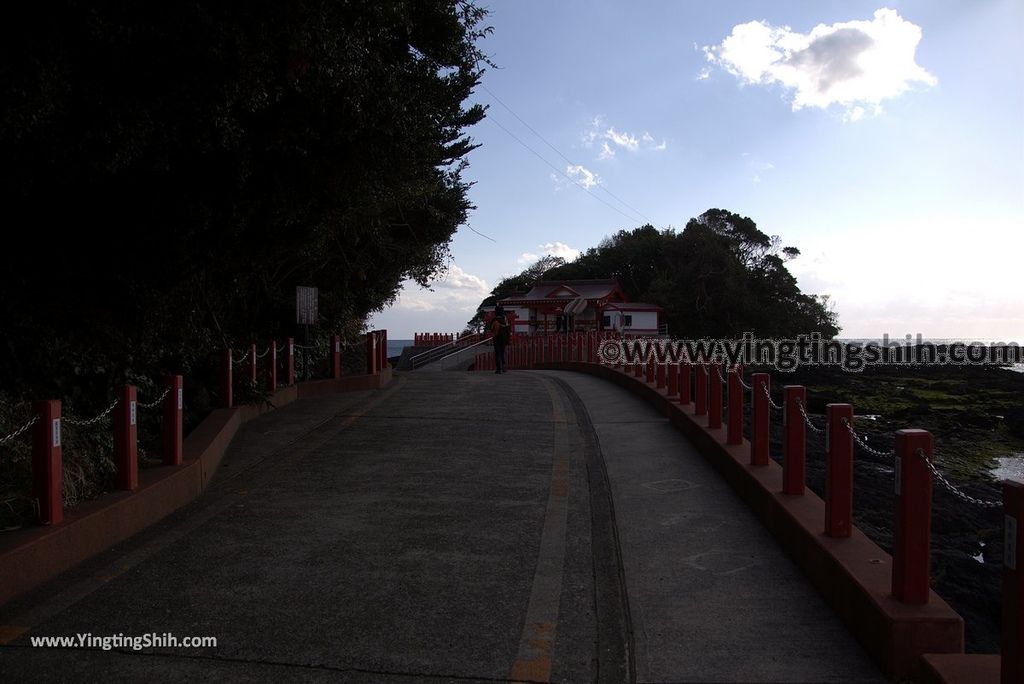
point(395, 347)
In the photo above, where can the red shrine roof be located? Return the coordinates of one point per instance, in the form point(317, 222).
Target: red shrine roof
point(561, 291)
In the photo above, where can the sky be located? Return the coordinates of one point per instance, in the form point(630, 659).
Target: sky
point(884, 141)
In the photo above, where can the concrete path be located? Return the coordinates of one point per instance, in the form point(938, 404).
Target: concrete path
point(452, 527)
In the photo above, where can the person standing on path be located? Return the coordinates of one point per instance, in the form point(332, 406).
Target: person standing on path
point(500, 336)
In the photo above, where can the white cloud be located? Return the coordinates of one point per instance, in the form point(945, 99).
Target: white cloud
point(620, 139)
point(855, 64)
point(457, 279)
point(558, 249)
point(583, 176)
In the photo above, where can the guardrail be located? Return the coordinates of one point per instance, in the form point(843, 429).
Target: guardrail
point(446, 349)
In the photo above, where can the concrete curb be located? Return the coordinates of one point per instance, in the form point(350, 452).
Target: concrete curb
point(853, 575)
point(33, 555)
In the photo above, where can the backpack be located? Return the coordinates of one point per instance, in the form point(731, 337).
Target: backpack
point(502, 336)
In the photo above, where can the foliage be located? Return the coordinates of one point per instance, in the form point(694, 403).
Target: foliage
point(720, 277)
point(515, 284)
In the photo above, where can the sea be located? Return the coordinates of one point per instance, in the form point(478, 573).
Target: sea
point(395, 347)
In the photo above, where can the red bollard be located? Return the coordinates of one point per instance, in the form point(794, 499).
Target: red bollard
point(290, 360)
point(226, 384)
point(912, 523)
point(734, 428)
point(383, 349)
point(1012, 665)
point(336, 356)
point(672, 379)
point(839, 471)
point(760, 414)
point(715, 395)
point(649, 372)
point(252, 363)
point(272, 367)
point(171, 431)
point(659, 376)
point(126, 449)
point(47, 467)
point(685, 383)
point(371, 353)
point(700, 397)
point(794, 439)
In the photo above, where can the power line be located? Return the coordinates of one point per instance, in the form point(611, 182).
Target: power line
point(563, 173)
point(559, 153)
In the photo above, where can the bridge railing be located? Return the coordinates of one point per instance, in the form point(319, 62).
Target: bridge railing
point(446, 348)
point(46, 423)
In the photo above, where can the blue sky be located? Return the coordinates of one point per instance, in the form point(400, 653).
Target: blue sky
point(885, 141)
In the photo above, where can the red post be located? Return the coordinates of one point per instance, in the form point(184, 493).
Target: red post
point(734, 428)
point(1012, 665)
point(290, 361)
point(383, 341)
point(672, 379)
point(685, 384)
point(760, 414)
point(252, 363)
point(226, 384)
point(715, 395)
point(839, 471)
point(701, 393)
point(171, 431)
point(272, 367)
point(336, 356)
point(126, 450)
point(47, 468)
point(371, 353)
point(912, 523)
point(649, 374)
point(794, 439)
point(659, 376)
point(638, 369)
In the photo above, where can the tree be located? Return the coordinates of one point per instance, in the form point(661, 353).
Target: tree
point(174, 170)
point(516, 284)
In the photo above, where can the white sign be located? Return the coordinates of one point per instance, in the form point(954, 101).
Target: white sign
point(181, 399)
point(899, 475)
point(337, 346)
point(1010, 542)
point(55, 432)
point(131, 412)
point(306, 305)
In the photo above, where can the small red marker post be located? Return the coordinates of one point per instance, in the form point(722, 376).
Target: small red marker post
point(649, 374)
point(171, 431)
point(734, 429)
point(371, 353)
point(715, 395)
point(289, 362)
point(912, 522)
point(672, 379)
point(126, 449)
point(839, 471)
point(1012, 665)
point(760, 384)
point(685, 384)
point(226, 384)
point(272, 367)
point(794, 439)
point(700, 399)
point(47, 467)
point(336, 357)
point(659, 376)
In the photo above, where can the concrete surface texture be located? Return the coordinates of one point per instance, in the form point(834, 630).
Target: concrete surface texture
point(451, 527)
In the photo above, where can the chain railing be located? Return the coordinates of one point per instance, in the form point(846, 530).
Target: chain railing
point(155, 402)
point(768, 395)
point(807, 418)
point(32, 421)
point(953, 489)
point(241, 360)
point(863, 443)
point(743, 384)
point(90, 421)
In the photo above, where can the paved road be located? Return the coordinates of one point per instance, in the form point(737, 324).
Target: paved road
point(452, 527)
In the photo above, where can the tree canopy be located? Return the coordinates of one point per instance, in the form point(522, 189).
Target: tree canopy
point(173, 170)
point(720, 277)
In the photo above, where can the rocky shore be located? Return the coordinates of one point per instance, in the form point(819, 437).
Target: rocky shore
point(976, 415)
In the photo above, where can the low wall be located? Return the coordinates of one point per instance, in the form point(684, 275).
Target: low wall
point(31, 556)
point(853, 574)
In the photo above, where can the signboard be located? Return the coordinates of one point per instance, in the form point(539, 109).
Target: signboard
point(306, 302)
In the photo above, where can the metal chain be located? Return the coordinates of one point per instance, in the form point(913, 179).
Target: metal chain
point(769, 396)
point(718, 369)
point(952, 488)
point(864, 445)
point(75, 421)
point(155, 402)
point(807, 419)
point(265, 352)
point(743, 384)
point(241, 360)
point(26, 426)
